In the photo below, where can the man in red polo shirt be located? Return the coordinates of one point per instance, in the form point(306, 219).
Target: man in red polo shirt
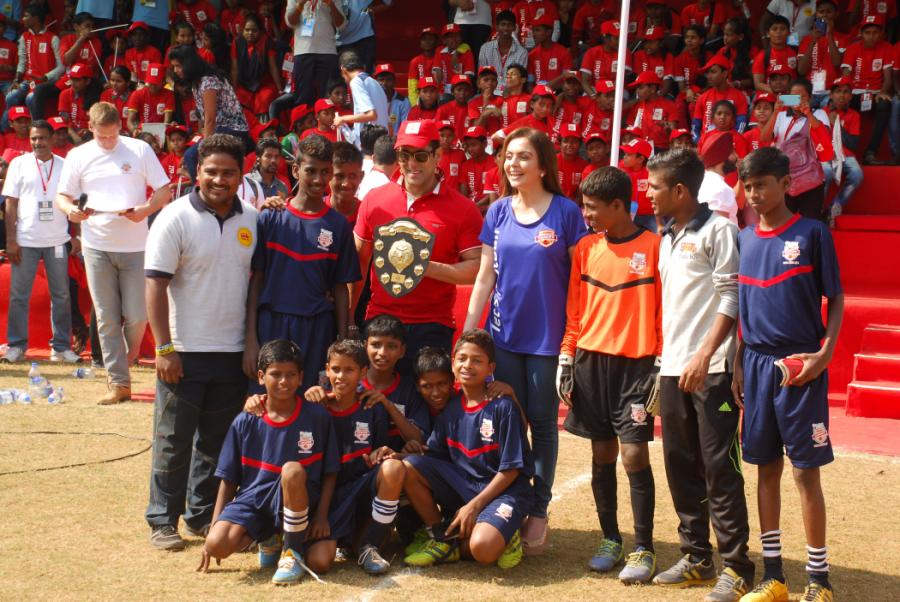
point(427, 311)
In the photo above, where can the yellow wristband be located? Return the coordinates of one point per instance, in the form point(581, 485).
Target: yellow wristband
point(165, 349)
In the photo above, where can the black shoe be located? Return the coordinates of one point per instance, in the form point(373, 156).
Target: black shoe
point(166, 537)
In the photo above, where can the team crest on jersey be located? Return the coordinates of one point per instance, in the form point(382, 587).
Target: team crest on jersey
point(687, 249)
point(660, 71)
point(454, 169)
point(638, 414)
point(487, 428)
point(877, 64)
point(791, 252)
point(305, 442)
point(551, 64)
point(546, 238)
point(792, 62)
point(126, 167)
point(657, 114)
point(361, 433)
point(643, 185)
point(325, 239)
point(819, 434)
point(504, 511)
point(638, 263)
point(881, 7)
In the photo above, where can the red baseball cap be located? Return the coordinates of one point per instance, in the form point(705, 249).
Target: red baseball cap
point(298, 113)
point(323, 104)
point(842, 81)
point(486, 69)
point(195, 140)
point(460, 79)
point(429, 30)
point(679, 133)
point(605, 86)
point(647, 77)
point(443, 125)
point(638, 146)
point(572, 74)
point(569, 130)
point(544, 20)
point(450, 28)
point(475, 131)
point(417, 134)
point(596, 136)
point(57, 123)
point(115, 33)
point(19, 113)
point(780, 69)
point(634, 131)
point(426, 82)
point(156, 74)
point(717, 60)
point(138, 25)
point(81, 70)
point(654, 32)
point(765, 97)
point(383, 68)
point(176, 127)
point(877, 20)
point(610, 28)
point(257, 130)
point(542, 90)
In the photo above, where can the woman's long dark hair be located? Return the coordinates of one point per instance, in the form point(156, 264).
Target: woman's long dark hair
point(742, 60)
point(219, 46)
point(193, 68)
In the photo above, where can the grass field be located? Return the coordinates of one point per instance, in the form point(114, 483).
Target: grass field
point(79, 533)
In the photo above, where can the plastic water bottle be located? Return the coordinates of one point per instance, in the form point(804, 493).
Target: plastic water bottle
point(56, 396)
point(83, 373)
point(23, 397)
point(7, 396)
point(36, 382)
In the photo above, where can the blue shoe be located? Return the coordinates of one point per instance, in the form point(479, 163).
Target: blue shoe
point(640, 566)
point(289, 569)
point(269, 552)
point(372, 562)
point(609, 554)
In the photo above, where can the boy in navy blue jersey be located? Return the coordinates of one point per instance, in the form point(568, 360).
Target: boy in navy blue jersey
point(276, 469)
point(477, 464)
point(304, 260)
point(385, 346)
point(787, 264)
point(368, 477)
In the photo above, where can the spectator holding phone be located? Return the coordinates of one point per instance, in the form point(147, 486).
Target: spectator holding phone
point(821, 52)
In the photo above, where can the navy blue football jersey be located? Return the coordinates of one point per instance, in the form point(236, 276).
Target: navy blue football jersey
point(405, 397)
point(359, 432)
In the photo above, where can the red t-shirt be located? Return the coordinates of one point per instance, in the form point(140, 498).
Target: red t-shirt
point(450, 163)
point(867, 65)
point(171, 163)
point(421, 66)
point(476, 107)
point(686, 68)
point(10, 140)
point(328, 134)
point(197, 14)
point(492, 181)
point(704, 105)
point(465, 64)
point(121, 103)
point(659, 64)
point(639, 186)
point(39, 58)
point(417, 113)
point(93, 48)
point(456, 114)
point(777, 56)
point(232, 20)
point(527, 11)
point(588, 19)
point(139, 60)
point(515, 107)
point(651, 116)
point(473, 175)
point(9, 55)
point(547, 63)
point(587, 171)
point(601, 64)
point(350, 218)
point(151, 108)
point(456, 223)
point(73, 106)
point(570, 174)
point(693, 14)
point(572, 112)
point(850, 123)
point(820, 59)
point(752, 138)
point(598, 120)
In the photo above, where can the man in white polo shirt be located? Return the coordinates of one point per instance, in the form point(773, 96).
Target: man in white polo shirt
point(36, 230)
point(114, 172)
point(198, 274)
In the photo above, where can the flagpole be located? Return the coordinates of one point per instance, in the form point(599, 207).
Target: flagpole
point(620, 84)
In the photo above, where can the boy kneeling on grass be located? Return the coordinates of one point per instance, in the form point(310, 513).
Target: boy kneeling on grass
point(278, 469)
point(477, 463)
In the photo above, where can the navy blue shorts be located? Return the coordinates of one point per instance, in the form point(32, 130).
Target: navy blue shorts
point(779, 420)
point(351, 504)
point(452, 488)
point(261, 514)
point(313, 334)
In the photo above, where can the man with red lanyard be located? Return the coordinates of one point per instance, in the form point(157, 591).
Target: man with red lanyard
point(799, 13)
point(455, 222)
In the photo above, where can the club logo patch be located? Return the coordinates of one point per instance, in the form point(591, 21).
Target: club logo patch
point(546, 238)
point(325, 239)
point(487, 428)
point(305, 442)
point(126, 167)
point(791, 252)
point(877, 64)
point(660, 71)
point(454, 169)
point(245, 237)
point(657, 114)
point(361, 432)
point(552, 64)
point(819, 434)
point(643, 185)
point(638, 263)
point(687, 249)
point(504, 511)
point(638, 414)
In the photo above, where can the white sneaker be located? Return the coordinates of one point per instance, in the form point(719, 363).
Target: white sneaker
point(67, 356)
point(13, 355)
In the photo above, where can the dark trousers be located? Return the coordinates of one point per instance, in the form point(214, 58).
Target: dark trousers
point(312, 72)
point(882, 110)
point(190, 421)
point(808, 204)
point(703, 467)
point(430, 334)
point(475, 36)
point(366, 50)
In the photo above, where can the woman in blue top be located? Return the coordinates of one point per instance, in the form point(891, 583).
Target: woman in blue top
point(527, 241)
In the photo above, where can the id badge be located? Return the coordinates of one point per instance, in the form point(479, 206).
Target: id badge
point(793, 40)
point(818, 81)
point(307, 22)
point(45, 211)
point(59, 251)
point(865, 103)
point(288, 65)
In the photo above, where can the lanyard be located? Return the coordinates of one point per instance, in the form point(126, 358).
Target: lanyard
point(45, 183)
point(787, 133)
point(797, 8)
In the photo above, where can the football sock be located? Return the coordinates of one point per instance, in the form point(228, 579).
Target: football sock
point(383, 514)
point(771, 551)
point(643, 503)
point(294, 526)
point(603, 484)
point(817, 565)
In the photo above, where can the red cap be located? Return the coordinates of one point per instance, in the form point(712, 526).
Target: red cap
point(115, 33)
point(780, 69)
point(572, 74)
point(655, 32)
point(845, 80)
point(81, 70)
point(417, 134)
point(10, 154)
point(605, 86)
point(195, 140)
point(257, 130)
point(445, 124)
point(138, 25)
point(429, 30)
point(298, 113)
point(765, 97)
point(610, 28)
point(156, 74)
point(647, 77)
point(176, 127)
point(596, 136)
point(486, 69)
point(19, 113)
point(450, 28)
point(426, 82)
point(475, 131)
point(57, 123)
point(716, 148)
point(719, 60)
point(542, 90)
point(876, 20)
point(323, 104)
point(569, 130)
point(679, 133)
point(545, 20)
point(638, 146)
point(383, 68)
point(460, 79)
point(634, 131)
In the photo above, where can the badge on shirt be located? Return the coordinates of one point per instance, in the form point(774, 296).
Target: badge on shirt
point(687, 249)
point(638, 263)
point(818, 81)
point(4, 53)
point(361, 432)
point(660, 71)
point(45, 211)
point(792, 62)
point(487, 428)
point(657, 114)
point(245, 237)
point(791, 252)
point(305, 442)
point(551, 64)
point(454, 169)
point(161, 108)
point(126, 167)
point(793, 40)
point(546, 237)
point(201, 15)
point(877, 64)
point(325, 239)
point(42, 47)
point(504, 511)
point(145, 65)
point(521, 107)
point(307, 21)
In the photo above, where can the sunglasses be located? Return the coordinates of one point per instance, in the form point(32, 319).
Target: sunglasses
point(421, 156)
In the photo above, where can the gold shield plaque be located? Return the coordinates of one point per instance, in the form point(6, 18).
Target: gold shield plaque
point(402, 251)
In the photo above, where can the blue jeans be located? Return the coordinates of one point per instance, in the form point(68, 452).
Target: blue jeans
point(851, 178)
point(190, 421)
point(34, 99)
point(533, 377)
point(20, 284)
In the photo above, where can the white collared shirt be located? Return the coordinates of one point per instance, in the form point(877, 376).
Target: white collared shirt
point(34, 183)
